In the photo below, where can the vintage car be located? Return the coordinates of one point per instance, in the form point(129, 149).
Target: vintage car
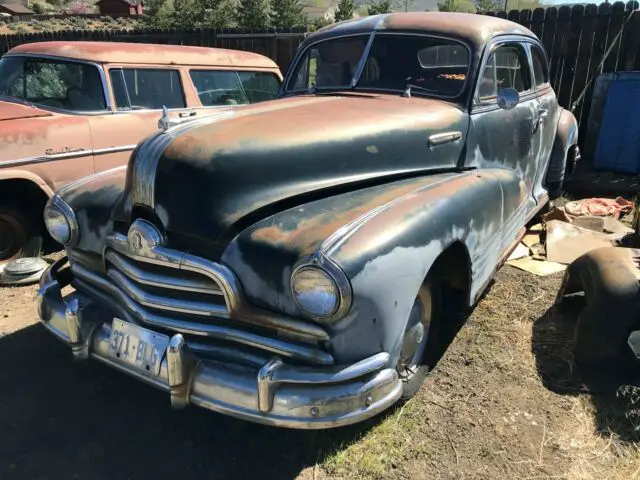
point(69, 109)
point(290, 262)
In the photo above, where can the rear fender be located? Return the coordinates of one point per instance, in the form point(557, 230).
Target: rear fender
point(566, 137)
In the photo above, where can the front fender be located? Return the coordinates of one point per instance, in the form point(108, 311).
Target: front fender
point(92, 199)
point(385, 238)
point(388, 256)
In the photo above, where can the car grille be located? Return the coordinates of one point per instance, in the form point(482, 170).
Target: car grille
point(176, 292)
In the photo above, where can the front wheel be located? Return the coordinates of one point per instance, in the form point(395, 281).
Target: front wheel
point(420, 338)
point(16, 227)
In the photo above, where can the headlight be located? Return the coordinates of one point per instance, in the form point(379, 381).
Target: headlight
point(61, 222)
point(321, 290)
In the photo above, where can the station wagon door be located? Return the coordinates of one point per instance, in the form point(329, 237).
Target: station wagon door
point(139, 94)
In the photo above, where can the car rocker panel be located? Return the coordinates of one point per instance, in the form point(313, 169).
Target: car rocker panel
point(287, 262)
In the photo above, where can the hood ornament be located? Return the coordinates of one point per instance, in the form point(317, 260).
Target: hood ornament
point(165, 122)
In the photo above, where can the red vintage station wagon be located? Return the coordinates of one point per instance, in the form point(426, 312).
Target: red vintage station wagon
point(69, 109)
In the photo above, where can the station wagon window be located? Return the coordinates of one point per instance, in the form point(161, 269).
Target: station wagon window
point(146, 88)
point(53, 83)
point(227, 87)
point(507, 67)
point(432, 66)
point(540, 69)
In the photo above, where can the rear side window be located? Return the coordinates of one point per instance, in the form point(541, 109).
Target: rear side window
point(141, 89)
point(227, 87)
point(540, 68)
point(52, 83)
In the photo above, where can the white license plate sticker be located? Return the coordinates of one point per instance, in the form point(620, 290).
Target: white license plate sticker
point(137, 346)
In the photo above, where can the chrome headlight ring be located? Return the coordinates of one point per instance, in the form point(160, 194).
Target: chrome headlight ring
point(317, 305)
point(61, 222)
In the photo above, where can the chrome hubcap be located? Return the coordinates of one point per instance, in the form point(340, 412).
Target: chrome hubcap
point(416, 334)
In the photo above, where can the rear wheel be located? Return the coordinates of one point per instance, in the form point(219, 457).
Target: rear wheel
point(16, 228)
point(420, 338)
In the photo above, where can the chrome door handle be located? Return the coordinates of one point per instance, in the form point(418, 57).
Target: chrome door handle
point(186, 114)
point(542, 112)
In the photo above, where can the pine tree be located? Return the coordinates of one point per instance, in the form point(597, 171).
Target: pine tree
point(345, 11)
point(253, 13)
point(381, 6)
point(217, 13)
point(287, 14)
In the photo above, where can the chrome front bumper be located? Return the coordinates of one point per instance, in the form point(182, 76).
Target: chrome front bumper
point(273, 392)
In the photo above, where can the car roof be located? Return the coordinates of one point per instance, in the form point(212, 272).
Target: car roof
point(470, 27)
point(145, 53)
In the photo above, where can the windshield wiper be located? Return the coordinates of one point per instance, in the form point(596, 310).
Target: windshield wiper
point(410, 86)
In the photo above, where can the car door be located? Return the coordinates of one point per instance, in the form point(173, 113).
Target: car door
point(547, 115)
point(139, 94)
point(502, 137)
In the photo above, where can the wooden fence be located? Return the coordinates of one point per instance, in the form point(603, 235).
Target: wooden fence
point(581, 41)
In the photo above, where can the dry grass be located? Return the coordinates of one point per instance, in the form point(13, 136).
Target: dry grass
point(502, 403)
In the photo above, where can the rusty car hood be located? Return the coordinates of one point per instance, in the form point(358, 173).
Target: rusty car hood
point(214, 179)
point(14, 111)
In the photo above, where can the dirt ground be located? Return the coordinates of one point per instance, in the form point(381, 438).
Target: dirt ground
point(501, 403)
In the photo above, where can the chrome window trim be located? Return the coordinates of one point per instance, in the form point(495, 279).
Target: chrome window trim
point(101, 72)
point(477, 106)
point(547, 84)
point(362, 62)
point(172, 68)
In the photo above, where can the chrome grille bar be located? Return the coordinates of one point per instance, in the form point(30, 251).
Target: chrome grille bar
point(98, 285)
point(140, 275)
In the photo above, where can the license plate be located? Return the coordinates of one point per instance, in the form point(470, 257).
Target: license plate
point(137, 346)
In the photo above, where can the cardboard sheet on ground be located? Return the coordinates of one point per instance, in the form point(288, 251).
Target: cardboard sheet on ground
point(541, 268)
point(566, 242)
point(520, 251)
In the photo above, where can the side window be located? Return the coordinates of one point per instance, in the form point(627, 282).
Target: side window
point(53, 83)
point(226, 87)
point(259, 86)
point(146, 88)
point(540, 67)
point(507, 67)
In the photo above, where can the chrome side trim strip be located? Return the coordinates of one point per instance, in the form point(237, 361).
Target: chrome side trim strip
point(65, 156)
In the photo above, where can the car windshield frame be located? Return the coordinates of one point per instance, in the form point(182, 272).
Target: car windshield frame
point(54, 58)
point(354, 84)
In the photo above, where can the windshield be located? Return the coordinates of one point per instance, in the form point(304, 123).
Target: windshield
point(52, 83)
point(432, 66)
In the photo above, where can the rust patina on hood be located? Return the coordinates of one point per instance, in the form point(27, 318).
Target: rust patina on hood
point(15, 111)
point(217, 178)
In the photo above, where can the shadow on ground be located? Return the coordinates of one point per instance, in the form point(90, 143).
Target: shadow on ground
point(69, 420)
point(614, 392)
